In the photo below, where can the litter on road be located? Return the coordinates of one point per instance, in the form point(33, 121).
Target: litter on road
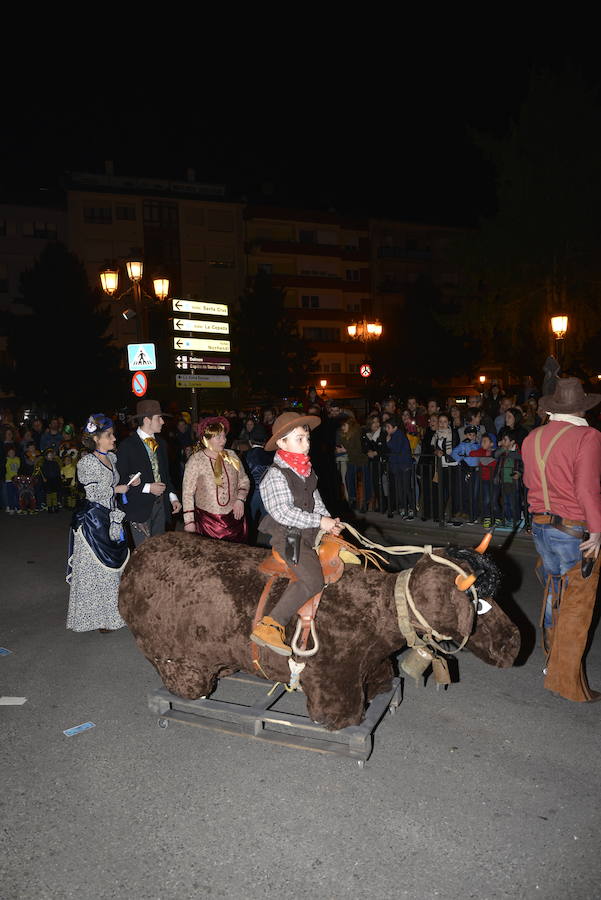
point(12, 701)
point(77, 728)
point(4, 651)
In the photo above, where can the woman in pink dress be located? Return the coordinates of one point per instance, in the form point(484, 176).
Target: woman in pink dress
point(215, 486)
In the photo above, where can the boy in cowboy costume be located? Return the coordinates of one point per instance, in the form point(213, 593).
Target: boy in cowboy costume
point(295, 514)
point(562, 471)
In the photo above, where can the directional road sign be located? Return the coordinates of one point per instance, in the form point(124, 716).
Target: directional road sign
point(365, 370)
point(202, 381)
point(200, 325)
point(139, 383)
point(141, 357)
point(206, 363)
point(209, 345)
point(199, 306)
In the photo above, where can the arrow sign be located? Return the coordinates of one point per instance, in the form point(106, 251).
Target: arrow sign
point(209, 346)
point(200, 325)
point(199, 306)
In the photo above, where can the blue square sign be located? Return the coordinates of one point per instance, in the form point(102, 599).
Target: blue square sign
point(141, 357)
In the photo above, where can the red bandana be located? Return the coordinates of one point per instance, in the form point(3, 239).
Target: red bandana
point(300, 463)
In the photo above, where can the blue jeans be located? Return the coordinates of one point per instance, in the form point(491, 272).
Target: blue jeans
point(559, 552)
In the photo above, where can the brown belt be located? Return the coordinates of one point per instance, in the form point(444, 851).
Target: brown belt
point(568, 526)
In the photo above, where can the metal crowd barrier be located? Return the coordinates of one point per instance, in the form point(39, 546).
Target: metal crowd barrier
point(434, 492)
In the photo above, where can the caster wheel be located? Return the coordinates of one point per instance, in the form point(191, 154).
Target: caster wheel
point(163, 723)
point(361, 763)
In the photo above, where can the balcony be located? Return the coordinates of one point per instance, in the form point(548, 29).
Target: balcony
point(298, 248)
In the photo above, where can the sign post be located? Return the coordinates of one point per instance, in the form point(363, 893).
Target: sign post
point(211, 368)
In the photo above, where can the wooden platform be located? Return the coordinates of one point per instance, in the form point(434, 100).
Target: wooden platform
point(261, 719)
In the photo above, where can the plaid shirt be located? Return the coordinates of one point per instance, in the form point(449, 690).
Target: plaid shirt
point(279, 502)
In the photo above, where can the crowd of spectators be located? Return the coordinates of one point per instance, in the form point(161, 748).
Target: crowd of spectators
point(453, 464)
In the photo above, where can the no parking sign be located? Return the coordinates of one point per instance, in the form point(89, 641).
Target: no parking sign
point(139, 383)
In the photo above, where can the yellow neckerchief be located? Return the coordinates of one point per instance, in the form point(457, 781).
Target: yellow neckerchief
point(222, 456)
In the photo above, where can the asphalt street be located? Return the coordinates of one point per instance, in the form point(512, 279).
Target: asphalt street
point(489, 789)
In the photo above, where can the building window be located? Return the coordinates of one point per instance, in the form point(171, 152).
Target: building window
point(266, 268)
point(353, 274)
point(353, 307)
point(220, 220)
point(354, 368)
point(126, 213)
point(97, 215)
point(309, 302)
point(160, 214)
point(306, 237)
point(321, 334)
point(3, 278)
point(335, 368)
point(45, 230)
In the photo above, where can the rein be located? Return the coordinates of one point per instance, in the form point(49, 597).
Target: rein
point(404, 600)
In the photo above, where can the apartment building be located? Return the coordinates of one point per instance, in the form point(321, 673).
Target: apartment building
point(322, 261)
point(186, 230)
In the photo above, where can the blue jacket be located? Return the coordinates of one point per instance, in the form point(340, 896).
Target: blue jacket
point(398, 451)
point(462, 453)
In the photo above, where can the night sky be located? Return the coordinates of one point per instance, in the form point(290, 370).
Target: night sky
point(390, 137)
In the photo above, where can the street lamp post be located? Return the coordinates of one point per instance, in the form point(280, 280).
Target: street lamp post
point(559, 327)
point(109, 280)
point(365, 330)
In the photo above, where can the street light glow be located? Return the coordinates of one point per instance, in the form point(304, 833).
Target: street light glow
point(161, 287)
point(559, 326)
point(135, 269)
point(109, 279)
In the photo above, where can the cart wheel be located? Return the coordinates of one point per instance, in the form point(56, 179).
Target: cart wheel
point(163, 723)
point(361, 763)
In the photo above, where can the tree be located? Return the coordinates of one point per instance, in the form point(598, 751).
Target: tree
point(539, 255)
point(269, 355)
point(62, 353)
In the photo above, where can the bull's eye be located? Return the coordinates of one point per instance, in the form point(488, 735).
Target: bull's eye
point(483, 606)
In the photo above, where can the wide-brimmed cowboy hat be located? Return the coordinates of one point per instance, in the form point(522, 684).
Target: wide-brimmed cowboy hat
point(569, 397)
point(286, 423)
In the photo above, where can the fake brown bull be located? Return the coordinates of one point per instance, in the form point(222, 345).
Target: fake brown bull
point(189, 603)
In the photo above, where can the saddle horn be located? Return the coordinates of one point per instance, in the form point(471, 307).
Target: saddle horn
point(464, 582)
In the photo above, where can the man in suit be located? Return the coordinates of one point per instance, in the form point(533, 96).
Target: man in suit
point(152, 503)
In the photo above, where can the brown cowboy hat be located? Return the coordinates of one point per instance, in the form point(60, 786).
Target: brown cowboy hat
point(149, 408)
point(286, 423)
point(569, 397)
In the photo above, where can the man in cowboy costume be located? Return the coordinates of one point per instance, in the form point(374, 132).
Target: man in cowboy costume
point(295, 513)
point(562, 471)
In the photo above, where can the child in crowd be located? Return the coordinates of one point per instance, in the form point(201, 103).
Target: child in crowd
point(51, 476)
point(13, 464)
point(468, 483)
point(68, 477)
point(509, 476)
point(487, 465)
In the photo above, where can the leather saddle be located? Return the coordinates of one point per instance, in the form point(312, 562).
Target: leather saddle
point(332, 566)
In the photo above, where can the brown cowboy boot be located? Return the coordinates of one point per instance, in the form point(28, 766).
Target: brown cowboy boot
point(565, 673)
point(269, 633)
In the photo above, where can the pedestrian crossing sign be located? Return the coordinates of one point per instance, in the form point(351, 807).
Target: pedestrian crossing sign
point(141, 356)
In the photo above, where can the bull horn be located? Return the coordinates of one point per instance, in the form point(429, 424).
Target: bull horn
point(464, 582)
point(483, 545)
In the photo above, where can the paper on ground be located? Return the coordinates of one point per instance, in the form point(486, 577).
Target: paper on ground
point(12, 701)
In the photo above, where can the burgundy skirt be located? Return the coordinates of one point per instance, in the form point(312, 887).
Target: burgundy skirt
point(224, 528)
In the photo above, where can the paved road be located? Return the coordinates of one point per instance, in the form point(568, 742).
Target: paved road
point(486, 790)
